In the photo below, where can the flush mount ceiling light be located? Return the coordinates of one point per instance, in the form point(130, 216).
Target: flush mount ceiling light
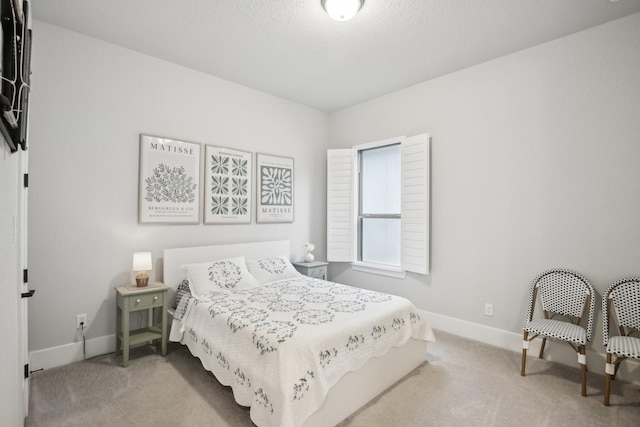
point(342, 10)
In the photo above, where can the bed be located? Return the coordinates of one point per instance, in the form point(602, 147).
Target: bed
point(296, 350)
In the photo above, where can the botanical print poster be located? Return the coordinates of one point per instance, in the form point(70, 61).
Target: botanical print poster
point(169, 180)
point(227, 189)
point(275, 189)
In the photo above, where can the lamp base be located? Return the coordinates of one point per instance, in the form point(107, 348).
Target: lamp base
point(142, 282)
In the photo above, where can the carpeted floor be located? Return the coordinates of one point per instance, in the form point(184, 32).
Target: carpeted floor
point(463, 383)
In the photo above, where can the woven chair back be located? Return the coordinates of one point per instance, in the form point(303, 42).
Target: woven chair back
point(625, 298)
point(563, 292)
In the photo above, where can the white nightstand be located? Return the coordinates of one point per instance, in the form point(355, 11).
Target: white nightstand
point(315, 269)
point(132, 298)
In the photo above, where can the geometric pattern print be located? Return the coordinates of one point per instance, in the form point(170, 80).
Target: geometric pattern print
point(564, 331)
point(564, 292)
point(183, 289)
point(624, 347)
point(624, 295)
point(183, 304)
point(229, 185)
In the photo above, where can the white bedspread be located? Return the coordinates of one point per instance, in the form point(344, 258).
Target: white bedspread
point(281, 346)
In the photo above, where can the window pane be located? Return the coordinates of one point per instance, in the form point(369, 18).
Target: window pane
point(380, 175)
point(381, 240)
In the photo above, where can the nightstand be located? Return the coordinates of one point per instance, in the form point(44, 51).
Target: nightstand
point(132, 298)
point(315, 269)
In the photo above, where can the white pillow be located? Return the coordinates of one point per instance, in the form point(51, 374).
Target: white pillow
point(273, 268)
point(206, 278)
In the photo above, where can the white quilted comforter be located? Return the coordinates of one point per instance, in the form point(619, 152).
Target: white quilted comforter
point(282, 345)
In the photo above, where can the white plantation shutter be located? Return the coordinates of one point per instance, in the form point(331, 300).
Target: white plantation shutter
point(415, 204)
point(340, 205)
point(342, 194)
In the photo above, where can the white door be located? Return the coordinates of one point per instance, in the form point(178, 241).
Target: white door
point(23, 313)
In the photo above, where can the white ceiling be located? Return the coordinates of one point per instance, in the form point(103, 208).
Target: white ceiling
point(292, 49)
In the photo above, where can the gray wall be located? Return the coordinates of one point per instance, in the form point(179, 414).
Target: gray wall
point(534, 165)
point(90, 102)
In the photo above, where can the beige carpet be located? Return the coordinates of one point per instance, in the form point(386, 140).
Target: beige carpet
point(463, 383)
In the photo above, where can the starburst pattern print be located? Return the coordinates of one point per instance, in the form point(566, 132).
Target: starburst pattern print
point(276, 186)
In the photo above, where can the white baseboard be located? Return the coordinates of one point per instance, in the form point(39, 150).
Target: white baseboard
point(68, 353)
point(629, 370)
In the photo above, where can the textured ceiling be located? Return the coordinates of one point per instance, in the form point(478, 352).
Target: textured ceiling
point(292, 49)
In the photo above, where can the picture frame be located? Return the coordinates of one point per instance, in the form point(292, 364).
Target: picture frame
point(274, 189)
point(169, 183)
point(227, 187)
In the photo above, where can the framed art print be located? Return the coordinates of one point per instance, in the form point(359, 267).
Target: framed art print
point(169, 181)
point(227, 187)
point(275, 188)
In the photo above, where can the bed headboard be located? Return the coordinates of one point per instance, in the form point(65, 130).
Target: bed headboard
point(174, 258)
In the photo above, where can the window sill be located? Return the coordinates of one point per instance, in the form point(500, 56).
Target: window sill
point(380, 269)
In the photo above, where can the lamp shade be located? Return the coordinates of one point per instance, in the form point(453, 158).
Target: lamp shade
point(142, 261)
point(342, 10)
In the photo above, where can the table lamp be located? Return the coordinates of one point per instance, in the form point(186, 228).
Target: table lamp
point(142, 263)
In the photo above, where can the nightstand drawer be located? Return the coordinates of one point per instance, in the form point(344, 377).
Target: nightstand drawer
point(317, 272)
point(146, 300)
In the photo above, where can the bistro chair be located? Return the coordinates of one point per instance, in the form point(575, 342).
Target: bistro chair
point(620, 302)
point(564, 296)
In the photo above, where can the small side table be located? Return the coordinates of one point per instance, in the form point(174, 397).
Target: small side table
point(315, 269)
point(132, 298)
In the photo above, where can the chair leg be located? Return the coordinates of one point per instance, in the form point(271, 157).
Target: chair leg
point(544, 342)
point(525, 342)
point(607, 380)
point(583, 368)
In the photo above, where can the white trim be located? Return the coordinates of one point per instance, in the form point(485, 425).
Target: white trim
point(381, 143)
point(22, 228)
point(380, 269)
point(555, 351)
point(68, 353)
point(63, 355)
point(477, 332)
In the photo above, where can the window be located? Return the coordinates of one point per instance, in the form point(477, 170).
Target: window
point(379, 208)
point(377, 205)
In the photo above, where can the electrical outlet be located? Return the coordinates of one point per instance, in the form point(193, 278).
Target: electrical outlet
point(488, 309)
point(81, 319)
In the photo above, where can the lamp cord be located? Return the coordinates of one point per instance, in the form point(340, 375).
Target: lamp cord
point(84, 346)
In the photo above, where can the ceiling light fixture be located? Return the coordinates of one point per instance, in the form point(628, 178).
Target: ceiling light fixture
point(342, 10)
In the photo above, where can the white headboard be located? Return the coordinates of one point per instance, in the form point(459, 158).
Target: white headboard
point(174, 258)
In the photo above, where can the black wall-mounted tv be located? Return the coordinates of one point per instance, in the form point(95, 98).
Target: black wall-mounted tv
point(15, 72)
